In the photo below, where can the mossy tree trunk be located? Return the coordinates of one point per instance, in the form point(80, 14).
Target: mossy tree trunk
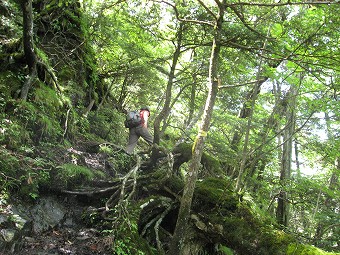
point(30, 56)
point(179, 238)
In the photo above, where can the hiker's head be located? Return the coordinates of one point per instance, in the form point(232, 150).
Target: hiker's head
point(145, 109)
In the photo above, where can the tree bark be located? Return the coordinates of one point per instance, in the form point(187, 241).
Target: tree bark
point(259, 158)
point(178, 241)
point(30, 56)
point(285, 172)
point(164, 113)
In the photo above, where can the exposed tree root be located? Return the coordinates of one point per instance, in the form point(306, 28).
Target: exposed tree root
point(123, 199)
point(121, 192)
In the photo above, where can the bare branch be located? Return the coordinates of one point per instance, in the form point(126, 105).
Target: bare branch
point(66, 122)
point(90, 192)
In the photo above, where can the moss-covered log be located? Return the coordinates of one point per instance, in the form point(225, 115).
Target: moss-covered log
point(183, 153)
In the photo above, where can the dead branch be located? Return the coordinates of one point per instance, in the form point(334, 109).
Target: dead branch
point(156, 228)
point(111, 200)
point(50, 71)
point(66, 122)
point(88, 108)
point(91, 192)
point(185, 20)
point(123, 199)
point(118, 147)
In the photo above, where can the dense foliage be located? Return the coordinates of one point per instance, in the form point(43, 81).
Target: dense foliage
point(274, 131)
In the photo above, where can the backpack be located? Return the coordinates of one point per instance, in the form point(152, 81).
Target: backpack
point(133, 119)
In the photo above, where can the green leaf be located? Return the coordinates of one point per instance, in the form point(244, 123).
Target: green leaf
point(276, 30)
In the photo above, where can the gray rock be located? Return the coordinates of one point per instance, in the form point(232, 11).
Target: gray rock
point(20, 221)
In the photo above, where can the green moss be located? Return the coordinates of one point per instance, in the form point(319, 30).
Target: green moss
point(128, 241)
point(71, 175)
point(215, 191)
point(14, 134)
point(175, 183)
point(38, 120)
point(184, 149)
point(8, 77)
point(42, 55)
point(9, 165)
point(244, 229)
point(247, 236)
point(301, 249)
point(211, 164)
point(225, 250)
point(48, 98)
point(272, 241)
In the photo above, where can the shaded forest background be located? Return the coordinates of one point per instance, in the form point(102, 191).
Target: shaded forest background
point(249, 91)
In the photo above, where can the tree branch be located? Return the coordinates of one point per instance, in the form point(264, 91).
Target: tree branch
point(207, 9)
point(186, 20)
point(243, 84)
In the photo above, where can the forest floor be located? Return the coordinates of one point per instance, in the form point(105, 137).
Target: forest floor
point(76, 239)
point(71, 241)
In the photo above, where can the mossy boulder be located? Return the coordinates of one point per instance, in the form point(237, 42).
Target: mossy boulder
point(213, 192)
point(228, 220)
point(183, 153)
point(302, 249)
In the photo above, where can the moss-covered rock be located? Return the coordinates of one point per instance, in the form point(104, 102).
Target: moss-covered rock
point(219, 213)
point(212, 192)
point(183, 153)
point(301, 249)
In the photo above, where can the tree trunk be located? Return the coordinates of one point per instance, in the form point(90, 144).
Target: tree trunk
point(297, 160)
point(333, 183)
point(192, 98)
point(123, 91)
point(260, 156)
point(245, 113)
point(89, 108)
point(178, 241)
point(249, 110)
point(285, 172)
point(30, 56)
point(164, 113)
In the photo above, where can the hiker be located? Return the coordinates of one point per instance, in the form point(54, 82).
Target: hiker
point(139, 129)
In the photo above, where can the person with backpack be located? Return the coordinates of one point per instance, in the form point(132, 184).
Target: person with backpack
point(137, 122)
